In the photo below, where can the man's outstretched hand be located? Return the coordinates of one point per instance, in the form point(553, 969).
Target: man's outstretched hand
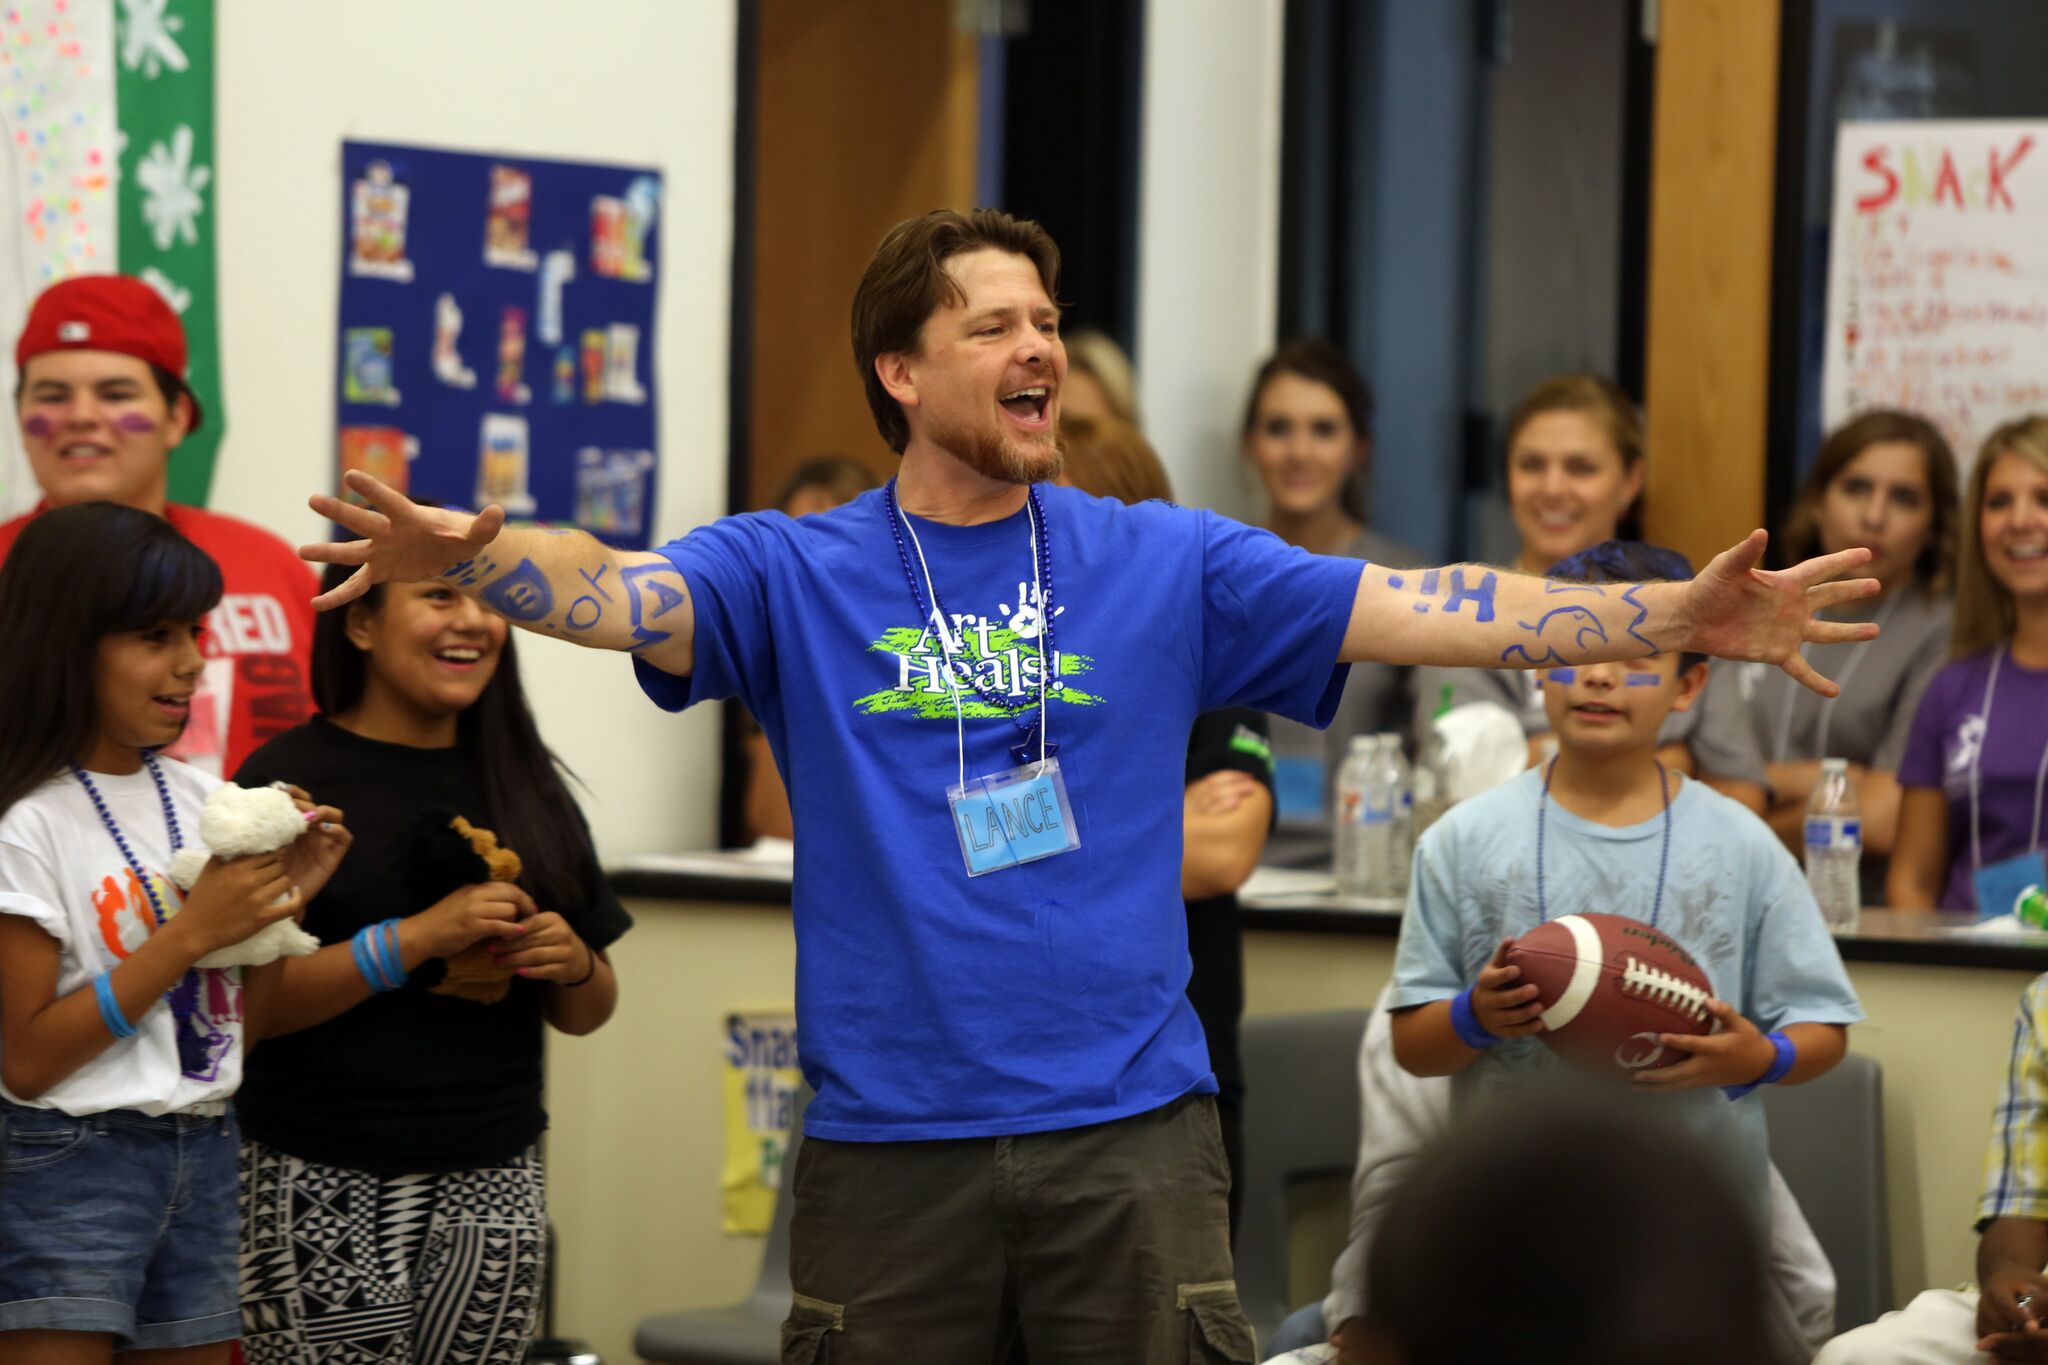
point(402, 541)
point(1734, 610)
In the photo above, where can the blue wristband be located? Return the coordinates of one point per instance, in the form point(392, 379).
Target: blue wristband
point(366, 959)
point(1466, 1025)
point(110, 1008)
point(1787, 1056)
point(384, 942)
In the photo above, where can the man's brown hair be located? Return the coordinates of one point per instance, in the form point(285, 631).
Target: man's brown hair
point(907, 282)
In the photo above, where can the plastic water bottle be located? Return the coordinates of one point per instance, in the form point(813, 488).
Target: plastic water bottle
point(1834, 847)
point(1399, 784)
point(1355, 781)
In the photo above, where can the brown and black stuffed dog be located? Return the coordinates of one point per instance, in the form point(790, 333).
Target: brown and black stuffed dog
point(442, 854)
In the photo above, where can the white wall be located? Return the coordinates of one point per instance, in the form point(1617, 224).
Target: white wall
point(1208, 233)
point(646, 82)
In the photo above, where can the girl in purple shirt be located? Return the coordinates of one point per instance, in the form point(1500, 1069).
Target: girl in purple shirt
point(1971, 816)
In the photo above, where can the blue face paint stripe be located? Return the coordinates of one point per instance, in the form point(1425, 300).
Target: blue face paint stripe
point(1563, 677)
point(1643, 679)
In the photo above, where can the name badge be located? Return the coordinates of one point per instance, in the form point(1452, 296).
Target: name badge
point(2000, 885)
point(1008, 818)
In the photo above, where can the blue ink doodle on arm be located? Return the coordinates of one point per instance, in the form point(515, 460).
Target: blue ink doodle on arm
point(578, 619)
point(1642, 615)
point(1429, 582)
point(1395, 581)
point(521, 595)
point(1509, 656)
point(1481, 597)
point(665, 598)
point(596, 580)
point(1589, 624)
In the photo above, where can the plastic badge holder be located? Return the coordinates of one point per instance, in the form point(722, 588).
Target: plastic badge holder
point(1009, 818)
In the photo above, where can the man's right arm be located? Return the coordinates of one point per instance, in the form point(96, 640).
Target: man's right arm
point(562, 583)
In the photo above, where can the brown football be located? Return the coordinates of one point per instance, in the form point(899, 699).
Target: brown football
point(1609, 985)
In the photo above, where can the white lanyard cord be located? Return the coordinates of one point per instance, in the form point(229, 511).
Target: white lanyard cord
point(946, 643)
point(1794, 693)
point(1976, 760)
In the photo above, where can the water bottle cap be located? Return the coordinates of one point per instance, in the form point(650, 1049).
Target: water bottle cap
point(1361, 743)
point(1834, 765)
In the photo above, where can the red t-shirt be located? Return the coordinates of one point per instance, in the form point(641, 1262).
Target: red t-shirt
point(259, 640)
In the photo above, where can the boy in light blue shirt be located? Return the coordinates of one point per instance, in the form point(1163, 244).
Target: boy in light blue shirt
point(1620, 834)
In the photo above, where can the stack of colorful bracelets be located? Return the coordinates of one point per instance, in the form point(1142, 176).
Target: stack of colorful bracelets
point(376, 952)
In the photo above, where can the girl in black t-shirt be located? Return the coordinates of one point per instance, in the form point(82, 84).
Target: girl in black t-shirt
point(391, 1193)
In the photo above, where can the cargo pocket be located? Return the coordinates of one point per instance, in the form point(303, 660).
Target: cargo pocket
point(807, 1331)
point(1218, 1332)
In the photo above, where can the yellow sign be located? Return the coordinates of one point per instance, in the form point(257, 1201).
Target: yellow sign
point(761, 1080)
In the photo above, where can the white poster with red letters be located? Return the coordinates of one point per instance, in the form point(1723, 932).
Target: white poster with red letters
point(1938, 274)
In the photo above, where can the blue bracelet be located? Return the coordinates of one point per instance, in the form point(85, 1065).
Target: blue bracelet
point(384, 943)
point(1466, 1025)
point(366, 959)
point(110, 1008)
point(1787, 1056)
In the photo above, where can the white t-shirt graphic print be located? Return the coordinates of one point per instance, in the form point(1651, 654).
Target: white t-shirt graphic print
point(61, 868)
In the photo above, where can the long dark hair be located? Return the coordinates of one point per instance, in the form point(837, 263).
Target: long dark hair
point(1322, 362)
point(1935, 567)
point(526, 798)
point(77, 575)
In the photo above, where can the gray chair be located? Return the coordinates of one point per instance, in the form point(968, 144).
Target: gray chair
point(1300, 1124)
point(748, 1332)
point(1827, 1139)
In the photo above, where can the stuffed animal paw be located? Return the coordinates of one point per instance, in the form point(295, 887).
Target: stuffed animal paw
point(445, 852)
point(236, 822)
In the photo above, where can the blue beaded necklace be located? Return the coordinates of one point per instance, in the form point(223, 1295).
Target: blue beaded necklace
point(1663, 858)
point(934, 613)
point(142, 877)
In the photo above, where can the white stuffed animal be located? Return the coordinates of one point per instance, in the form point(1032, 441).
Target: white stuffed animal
point(237, 822)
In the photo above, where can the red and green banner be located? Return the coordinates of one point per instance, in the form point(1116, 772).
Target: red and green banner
point(107, 110)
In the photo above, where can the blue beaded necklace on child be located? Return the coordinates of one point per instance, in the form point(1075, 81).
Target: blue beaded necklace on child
point(190, 1047)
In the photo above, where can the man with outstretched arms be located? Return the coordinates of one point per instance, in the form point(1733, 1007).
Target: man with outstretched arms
point(979, 686)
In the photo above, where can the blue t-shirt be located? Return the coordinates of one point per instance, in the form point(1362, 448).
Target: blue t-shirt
point(1042, 996)
point(1733, 898)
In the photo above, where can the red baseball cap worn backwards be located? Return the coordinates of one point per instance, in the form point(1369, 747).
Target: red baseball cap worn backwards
point(116, 313)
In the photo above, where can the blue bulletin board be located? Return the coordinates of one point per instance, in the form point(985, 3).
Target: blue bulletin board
point(497, 333)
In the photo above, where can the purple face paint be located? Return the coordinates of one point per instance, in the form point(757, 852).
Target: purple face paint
point(1643, 679)
point(38, 426)
point(135, 423)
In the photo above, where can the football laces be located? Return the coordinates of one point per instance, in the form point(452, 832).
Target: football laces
point(1640, 979)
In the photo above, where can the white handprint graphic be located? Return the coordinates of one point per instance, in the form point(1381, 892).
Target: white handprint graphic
point(1029, 620)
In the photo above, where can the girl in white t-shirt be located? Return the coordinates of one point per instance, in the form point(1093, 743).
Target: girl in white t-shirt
point(118, 1054)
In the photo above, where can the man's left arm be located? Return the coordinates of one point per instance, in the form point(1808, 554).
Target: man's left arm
point(1469, 615)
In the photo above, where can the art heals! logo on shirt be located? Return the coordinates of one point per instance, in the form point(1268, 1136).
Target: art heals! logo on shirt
point(1004, 650)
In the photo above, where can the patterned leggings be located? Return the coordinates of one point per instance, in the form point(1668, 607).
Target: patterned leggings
point(344, 1268)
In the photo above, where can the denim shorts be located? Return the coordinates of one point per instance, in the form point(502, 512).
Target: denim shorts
point(119, 1222)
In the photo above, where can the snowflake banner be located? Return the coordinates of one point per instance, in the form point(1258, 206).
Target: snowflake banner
point(163, 93)
point(107, 111)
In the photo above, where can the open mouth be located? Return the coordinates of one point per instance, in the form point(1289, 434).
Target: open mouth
point(176, 706)
point(81, 451)
point(2026, 551)
point(1027, 405)
point(462, 658)
point(1594, 710)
